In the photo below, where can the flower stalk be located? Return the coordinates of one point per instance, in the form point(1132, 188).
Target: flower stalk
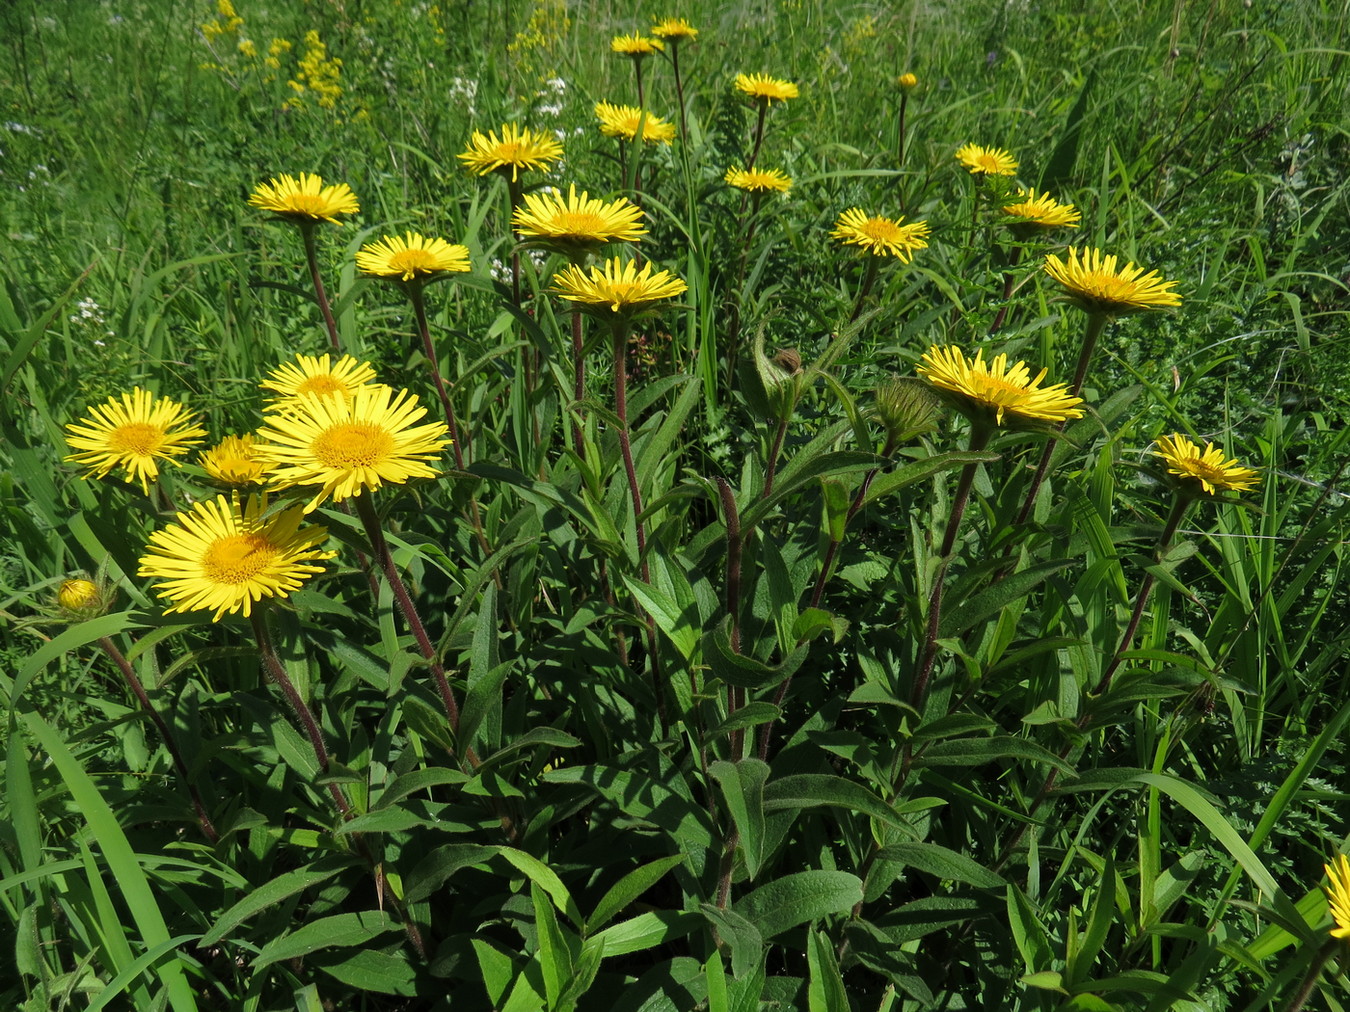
point(307, 229)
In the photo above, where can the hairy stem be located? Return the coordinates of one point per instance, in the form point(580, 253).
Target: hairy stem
point(312, 258)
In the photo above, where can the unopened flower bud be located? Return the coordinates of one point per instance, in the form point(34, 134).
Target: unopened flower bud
point(907, 408)
point(80, 597)
point(908, 82)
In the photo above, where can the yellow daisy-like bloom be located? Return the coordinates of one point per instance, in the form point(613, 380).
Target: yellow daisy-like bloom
point(235, 461)
point(1208, 467)
point(412, 257)
point(675, 30)
point(133, 432)
point(348, 445)
point(313, 375)
point(635, 45)
point(223, 556)
point(517, 149)
point(79, 597)
point(994, 388)
point(766, 89)
point(620, 286)
point(759, 180)
point(1042, 212)
point(1096, 285)
point(305, 200)
point(575, 225)
point(987, 161)
point(1338, 894)
point(908, 82)
point(622, 121)
point(881, 236)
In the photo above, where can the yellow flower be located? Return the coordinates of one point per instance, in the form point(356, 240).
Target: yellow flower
point(635, 45)
point(412, 257)
point(880, 236)
point(1042, 212)
point(348, 445)
point(675, 30)
point(1338, 894)
point(992, 387)
point(222, 556)
point(519, 148)
point(235, 461)
point(310, 375)
point(987, 161)
point(1208, 467)
point(622, 121)
point(907, 81)
point(766, 89)
point(620, 286)
point(1096, 285)
point(305, 200)
point(577, 225)
point(759, 179)
point(132, 432)
point(80, 597)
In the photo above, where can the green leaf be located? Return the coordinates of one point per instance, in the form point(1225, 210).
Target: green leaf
point(373, 970)
point(749, 715)
point(494, 967)
point(798, 898)
point(645, 931)
point(742, 786)
point(920, 470)
point(825, 990)
point(345, 931)
point(544, 877)
point(680, 623)
point(1031, 936)
point(273, 892)
point(743, 670)
point(628, 889)
point(942, 862)
point(418, 780)
point(992, 600)
point(737, 931)
point(1046, 980)
point(978, 751)
point(555, 956)
point(429, 873)
point(815, 790)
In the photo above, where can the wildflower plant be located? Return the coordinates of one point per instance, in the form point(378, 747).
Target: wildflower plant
point(628, 626)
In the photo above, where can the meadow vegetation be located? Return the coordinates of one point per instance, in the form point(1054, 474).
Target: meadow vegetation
point(874, 542)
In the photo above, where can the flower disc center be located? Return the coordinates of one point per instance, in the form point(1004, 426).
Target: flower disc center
point(237, 558)
point(322, 385)
point(139, 438)
point(353, 444)
point(410, 261)
point(578, 223)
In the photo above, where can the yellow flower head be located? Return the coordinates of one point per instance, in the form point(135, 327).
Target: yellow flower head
point(881, 236)
point(907, 82)
point(411, 257)
point(132, 432)
point(759, 180)
point(349, 445)
point(305, 200)
point(575, 225)
point(235, 461)
point(313, 375)
point(1338, 895)
point(635, 45)
point(222, 556)
point(675, 30)
point(619, 287)
point(1206, 467)
point(987, 161)
point(765, 89)
point(622, 121)
point(981, 388)
point(519, 148)
point(1041, 212)
point(1095, 284)
point(80, 598)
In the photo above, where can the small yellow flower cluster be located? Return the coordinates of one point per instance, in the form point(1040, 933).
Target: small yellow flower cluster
point(227, 21)
point(272, 61)
point(536, 48)
point(317, 74)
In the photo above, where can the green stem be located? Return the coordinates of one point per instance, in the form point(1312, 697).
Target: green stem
point(298, 706)
point(865, 289)
point(414, 289)
point(138, 690)
point(379, 546)
point(1310, 979)
point(736, 695)
point(980, 434)
point(578, 380)
point(1096, 322)
point(312, 258)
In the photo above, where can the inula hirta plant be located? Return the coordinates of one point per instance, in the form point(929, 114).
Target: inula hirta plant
point(1207, 470)
point(982, 161)
point(411, 257)
point(518, 149)
point(305, 200)
point(1093, 282)
point(758, 180)
point(993, 391)
point(624, 121)
point(576, 225)
point(881, 236)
